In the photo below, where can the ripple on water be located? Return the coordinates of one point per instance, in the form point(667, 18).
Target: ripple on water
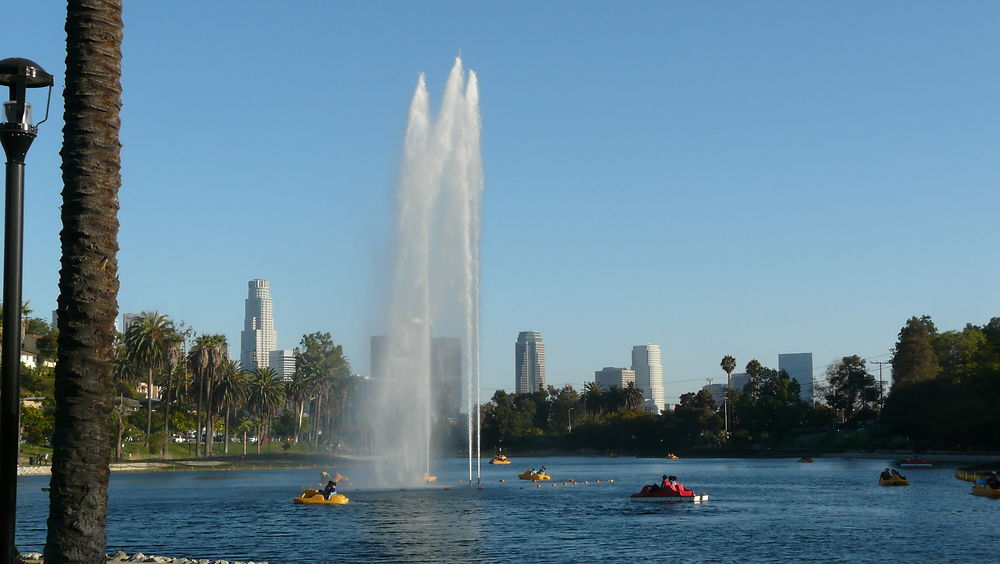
point(760, 511)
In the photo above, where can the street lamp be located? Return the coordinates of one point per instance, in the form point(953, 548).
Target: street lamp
point(16, 132)
point(569, 414)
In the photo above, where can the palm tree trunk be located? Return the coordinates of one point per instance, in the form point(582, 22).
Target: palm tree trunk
point(209, 420)
point(225, 448)
point(298, 420)
point(166, 416)
point(88, 283)
point(149, 404)
point(197, 432)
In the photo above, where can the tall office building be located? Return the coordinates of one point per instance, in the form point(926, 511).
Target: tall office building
point(648, 368)
point(799, 367)
point(282, 361)
point(446, 377)
point(609, 376)
point(529, 362)
point(258, 337)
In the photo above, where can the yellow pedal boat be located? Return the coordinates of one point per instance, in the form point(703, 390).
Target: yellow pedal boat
point(893, 481)
point(533, 476)
point(672, 456)
point(985, 491)
point(500, 460)
point(315, 497)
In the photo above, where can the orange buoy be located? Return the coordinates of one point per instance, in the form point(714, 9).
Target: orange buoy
point(501, 481)
point(538, 486)
point(597, 482)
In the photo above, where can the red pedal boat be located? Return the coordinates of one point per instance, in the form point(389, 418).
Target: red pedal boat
point(655, 493)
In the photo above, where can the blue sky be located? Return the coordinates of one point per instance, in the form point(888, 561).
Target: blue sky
point(717, 178)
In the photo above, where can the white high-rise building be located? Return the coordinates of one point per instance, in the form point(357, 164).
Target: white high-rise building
point(648, 367)
point(258, 337)
point(282, 361)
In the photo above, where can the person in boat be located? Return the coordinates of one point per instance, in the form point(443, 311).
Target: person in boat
point(993, 481)
point(330, 490)
point(896, 474)
point(886, 474)
point(541, 470)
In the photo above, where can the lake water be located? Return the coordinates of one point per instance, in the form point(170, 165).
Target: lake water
point(773, 510)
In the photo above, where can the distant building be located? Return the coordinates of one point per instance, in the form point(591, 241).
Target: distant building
point(258, 337)
point(529, 362)
point(609, 376)
point(718, 392)
point(128, 320)
point(740, 381)
point(648, 368)
point(282, 361)
point(799, 367)
point(446, 376)
point(379, 349)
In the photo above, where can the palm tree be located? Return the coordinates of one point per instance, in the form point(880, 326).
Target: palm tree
point(593, 397)
point(174, 356)
point(728, 365)
point(147, 344)
point(231, 391)
point(88, 283)
point(205, 360)
point(266, 395)
point(300, 391)
point(632, 396)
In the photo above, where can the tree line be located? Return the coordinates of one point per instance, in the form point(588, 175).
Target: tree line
point(200, 391)
point(944, 389)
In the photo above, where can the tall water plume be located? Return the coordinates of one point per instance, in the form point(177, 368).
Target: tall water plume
point(435, 286)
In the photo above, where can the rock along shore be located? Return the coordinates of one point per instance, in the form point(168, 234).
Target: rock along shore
point(120, 556)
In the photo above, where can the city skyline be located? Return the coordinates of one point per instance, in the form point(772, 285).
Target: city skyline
point(780, 176)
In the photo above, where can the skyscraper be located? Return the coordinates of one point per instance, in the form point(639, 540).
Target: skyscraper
point(529, 362)
point(648, 368)
point(799, 367)
point(258, 337)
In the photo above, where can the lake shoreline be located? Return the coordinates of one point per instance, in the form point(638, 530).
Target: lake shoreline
point(298, 462)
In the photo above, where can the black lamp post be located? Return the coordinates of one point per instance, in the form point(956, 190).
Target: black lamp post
point(16, 133)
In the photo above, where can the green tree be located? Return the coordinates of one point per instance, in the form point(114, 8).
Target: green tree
point(322, 363)
point(204, 361)
point(88, 283)
point(231, 390)
point(632, 396)
point(728, 364)
point(914, 359)
point(852, 391)
point(147, 346)
point(593, 398)
point(265, 396)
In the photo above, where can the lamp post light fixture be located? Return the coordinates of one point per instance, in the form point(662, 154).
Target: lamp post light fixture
point(16, 133)
point(569, 416)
